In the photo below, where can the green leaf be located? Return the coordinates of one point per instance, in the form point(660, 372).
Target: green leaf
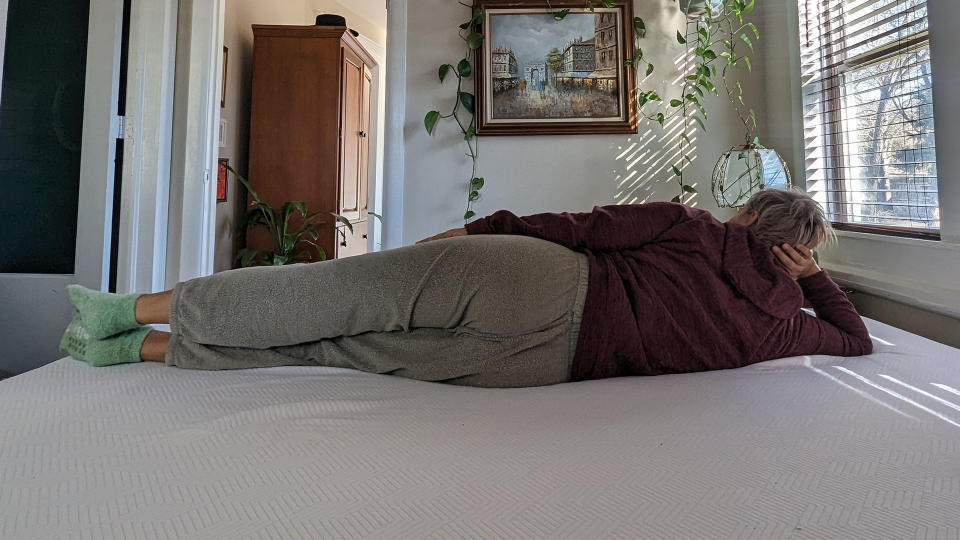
point(430, 121)
point(675, 199)
point(675, 103)
point(474, 40)
point(747, 60)
point(470, 134)
point(700, 121)
point(638, 53)
point(676, 171)
point(609, 4)
point(477, 15)
point(464, 68)
point(708, 85)
point(561, 15)
point(660, 119)
point(686, 138)
point(467, 99)
point(680, 38)
point(466, 25)
point(709, 54)
point(748, 7)
point(376, 215)
point(476, 184)
point(649, 69)
point(474, 195)
point(639, 25)
point(444, 69)
point(628, 62)
point(753, 118)
point(689, 189)
point(469, 214)
point(344, 221)
point(747, 41)
point(692, 98)
point(703, 32)
point(756, 33)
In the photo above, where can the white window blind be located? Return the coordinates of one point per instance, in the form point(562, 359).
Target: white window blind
point(868, 114)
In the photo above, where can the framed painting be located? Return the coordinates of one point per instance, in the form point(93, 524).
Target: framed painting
point(222, 171)
point(540, 76)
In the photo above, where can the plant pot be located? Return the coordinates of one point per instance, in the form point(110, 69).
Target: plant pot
point(696, 8)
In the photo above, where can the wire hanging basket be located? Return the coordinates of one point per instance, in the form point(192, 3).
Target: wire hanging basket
point(746, 169)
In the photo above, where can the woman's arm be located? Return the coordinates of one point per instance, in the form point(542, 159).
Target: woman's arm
point(837, 329)
point(605, 228)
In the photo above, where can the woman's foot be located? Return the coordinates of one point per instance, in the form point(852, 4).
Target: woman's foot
point(104, 314)
point(123, 348)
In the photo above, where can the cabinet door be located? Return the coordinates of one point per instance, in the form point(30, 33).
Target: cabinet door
point(350, 138)
point(355, 243)
point(364, 143)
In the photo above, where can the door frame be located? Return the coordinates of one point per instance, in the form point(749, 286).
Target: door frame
point(196, 121)
point(148, 127)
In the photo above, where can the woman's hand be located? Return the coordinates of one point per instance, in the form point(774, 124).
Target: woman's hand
point(797, 260)
point(449, 234)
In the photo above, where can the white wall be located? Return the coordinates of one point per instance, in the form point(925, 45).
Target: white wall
point(535, 173)
point(916, 272)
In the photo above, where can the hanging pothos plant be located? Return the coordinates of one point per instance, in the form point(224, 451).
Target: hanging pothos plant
point(715, 34)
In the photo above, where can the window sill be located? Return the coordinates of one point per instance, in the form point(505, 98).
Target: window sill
point(900, 240)
point(921, 273)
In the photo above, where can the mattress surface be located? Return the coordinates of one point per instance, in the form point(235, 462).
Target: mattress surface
point(807, 447)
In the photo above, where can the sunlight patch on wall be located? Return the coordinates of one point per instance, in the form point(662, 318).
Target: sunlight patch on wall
point(647, 159)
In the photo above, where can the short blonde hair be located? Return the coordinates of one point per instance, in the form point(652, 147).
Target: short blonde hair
point(789, 217)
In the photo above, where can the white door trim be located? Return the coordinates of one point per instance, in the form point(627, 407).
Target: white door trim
point(3, 38)
point(393, 159)
point(375, 165)
point(94, 226)
point(148, 127)
point(192, 219)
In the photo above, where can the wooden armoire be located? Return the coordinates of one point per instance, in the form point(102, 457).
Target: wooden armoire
point(309, 125)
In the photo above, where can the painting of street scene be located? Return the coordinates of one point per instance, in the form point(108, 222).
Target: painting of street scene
point(542, 69)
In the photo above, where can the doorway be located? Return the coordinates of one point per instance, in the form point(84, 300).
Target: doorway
point(367, 17)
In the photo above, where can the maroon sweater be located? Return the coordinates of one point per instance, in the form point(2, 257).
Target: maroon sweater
point(673, 290)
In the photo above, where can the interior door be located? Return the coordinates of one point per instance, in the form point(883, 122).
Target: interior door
point(350, 137)
point(364, 144)
point(58, 129)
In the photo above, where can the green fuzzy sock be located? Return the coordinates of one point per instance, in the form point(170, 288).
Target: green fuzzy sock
point(103, 314)
point(122, 348)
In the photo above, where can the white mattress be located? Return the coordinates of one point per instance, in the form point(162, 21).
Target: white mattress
point(815, 447)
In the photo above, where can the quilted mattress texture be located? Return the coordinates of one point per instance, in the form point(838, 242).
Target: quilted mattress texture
point(802, 448)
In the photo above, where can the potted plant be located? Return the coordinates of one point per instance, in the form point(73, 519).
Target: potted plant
point(291, 245)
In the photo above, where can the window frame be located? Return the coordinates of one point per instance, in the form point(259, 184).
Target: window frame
point(833, 140)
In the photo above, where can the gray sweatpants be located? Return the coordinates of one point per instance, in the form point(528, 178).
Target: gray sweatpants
point(492, 311)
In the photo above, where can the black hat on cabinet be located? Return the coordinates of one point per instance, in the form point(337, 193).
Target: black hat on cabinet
point(329, 19)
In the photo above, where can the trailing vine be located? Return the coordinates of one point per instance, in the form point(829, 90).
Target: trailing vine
point(715, 37)
point(720, 29)
point(465, 100)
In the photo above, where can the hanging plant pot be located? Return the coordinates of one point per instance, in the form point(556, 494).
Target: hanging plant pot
point(745, 170)
point(694, 9)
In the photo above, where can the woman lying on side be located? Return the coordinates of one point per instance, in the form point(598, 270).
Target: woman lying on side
point(510, 301)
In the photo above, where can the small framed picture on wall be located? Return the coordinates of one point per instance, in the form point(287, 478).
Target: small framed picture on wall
point(222, 179)
point(223, 83)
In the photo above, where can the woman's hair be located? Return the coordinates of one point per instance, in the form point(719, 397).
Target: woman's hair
point(789, 217)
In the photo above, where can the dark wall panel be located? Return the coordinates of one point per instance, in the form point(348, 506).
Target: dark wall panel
point(41, 125)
